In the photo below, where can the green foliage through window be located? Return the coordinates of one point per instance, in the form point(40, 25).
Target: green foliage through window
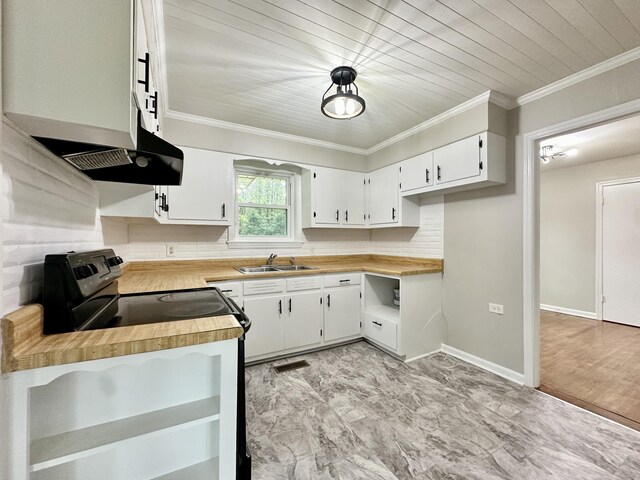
point(263, 205)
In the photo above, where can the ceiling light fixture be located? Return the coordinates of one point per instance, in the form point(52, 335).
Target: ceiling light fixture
point(344, 104)
point(548, 153)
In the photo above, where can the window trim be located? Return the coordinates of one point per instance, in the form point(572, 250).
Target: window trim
point(237, 241)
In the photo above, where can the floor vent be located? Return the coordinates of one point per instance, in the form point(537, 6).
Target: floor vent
point(290, 366)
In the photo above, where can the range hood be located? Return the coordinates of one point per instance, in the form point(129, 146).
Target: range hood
point(153, 162)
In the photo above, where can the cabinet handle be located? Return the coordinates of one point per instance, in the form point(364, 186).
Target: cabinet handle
point(337, 215)
point(344, 281)
point(145, 82)
point(376, 323)
point(289, 305)
point(164, 205)
point(427, 170)
point(346, 215)
point(393, 213)
point(439, 173)
point(280, 307)
point(329, 300)
point(154, 105)
point(224, 210)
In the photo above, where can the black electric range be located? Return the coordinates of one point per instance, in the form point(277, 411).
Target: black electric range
point(81, 293)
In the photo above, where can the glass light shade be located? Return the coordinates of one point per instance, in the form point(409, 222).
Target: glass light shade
point(343, 106)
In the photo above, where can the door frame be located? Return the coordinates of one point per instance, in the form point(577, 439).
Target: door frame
point(531, 224)
point(599, 232)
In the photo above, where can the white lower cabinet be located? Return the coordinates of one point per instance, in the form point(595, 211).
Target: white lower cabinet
point(341, 312)
point(303, 319)
point(267, 325)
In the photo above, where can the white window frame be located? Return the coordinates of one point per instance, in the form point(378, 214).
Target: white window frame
point(239, 241)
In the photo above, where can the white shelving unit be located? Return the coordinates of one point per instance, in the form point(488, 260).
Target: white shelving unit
point(157, 415)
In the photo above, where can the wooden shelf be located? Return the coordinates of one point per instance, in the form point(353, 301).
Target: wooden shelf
point(69, 446)
point(390, 312)
point(200, 471)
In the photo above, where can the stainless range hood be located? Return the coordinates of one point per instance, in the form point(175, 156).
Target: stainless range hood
point(154, 161)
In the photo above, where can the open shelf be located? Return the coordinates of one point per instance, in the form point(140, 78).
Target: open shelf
point(390, 312)
point(69, 446)
point(200, 471)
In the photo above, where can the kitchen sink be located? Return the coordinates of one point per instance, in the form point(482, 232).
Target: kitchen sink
point(273, 268)
point(293, 268)
point(262, 269)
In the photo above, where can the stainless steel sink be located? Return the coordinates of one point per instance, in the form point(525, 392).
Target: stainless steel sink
point(293, 268)
point(261, 269)
point(273, 268)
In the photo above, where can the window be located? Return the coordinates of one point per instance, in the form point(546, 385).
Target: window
point(263, 205)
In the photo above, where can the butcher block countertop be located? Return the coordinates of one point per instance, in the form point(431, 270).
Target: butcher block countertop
point(25, 347)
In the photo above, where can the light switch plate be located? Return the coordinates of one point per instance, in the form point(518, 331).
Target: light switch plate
point(171, 250)
point(495, 308)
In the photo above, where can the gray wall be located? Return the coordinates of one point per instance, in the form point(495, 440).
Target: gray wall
point(483, 229)
point(568, 230)
point(222, 140)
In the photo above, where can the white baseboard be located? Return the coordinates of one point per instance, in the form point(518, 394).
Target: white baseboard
point(413, 359)
point(569, 311)
point(485, 364)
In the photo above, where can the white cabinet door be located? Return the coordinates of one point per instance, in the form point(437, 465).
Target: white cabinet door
point(206, 192)
point(416, 172)
point(341, 312)
point(266, 334)
point(458, 161)
point(327, 186)
point(142, 78)
point(384, 195)
point(303, 320)
point(352, 186)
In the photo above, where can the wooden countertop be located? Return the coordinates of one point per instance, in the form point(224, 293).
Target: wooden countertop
point(149, 276)
point(24, 346)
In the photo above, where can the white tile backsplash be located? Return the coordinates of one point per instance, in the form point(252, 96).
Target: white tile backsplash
point(47, 206)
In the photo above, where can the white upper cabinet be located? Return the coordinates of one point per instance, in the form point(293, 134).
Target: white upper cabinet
point(416, 172)
point(474, 162)
point(68, 73)
point(384, 195)
point(332, 198)
point(206, 193)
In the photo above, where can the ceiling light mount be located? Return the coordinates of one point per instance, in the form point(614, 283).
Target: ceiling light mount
point(549, 152)
point(344, 104)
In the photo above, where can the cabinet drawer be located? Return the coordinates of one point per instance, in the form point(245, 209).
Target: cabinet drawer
point(258, 287)
point(381, 330)
point(230, 289)
point(304, 283)
point(342, 279)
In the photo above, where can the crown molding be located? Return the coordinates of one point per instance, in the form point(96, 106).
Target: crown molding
point(610, 64)
point(187, 117)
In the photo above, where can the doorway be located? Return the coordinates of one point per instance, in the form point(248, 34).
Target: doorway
point(589, 264)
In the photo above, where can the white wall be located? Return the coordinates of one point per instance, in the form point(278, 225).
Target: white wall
point(568, 230)
point(47, 207)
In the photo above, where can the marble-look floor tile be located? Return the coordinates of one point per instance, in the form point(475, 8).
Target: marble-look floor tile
point(358, 413)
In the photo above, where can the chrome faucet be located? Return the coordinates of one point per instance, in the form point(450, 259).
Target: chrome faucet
point(271, 258)
point(292, 260)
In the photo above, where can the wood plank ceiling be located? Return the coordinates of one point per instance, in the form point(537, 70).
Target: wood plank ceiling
point(266, 63)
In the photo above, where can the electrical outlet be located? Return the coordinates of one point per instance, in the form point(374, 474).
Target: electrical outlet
point(171, 250)
point(495, 308)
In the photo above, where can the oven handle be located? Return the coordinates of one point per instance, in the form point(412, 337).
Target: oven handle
point(244, 320)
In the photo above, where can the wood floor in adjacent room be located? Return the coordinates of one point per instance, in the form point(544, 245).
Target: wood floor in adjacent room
point(592, 364)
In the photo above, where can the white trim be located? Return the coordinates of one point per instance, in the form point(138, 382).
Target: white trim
point(413, 359)
point(568, 311)
point(531, 227)
point(452, 112)
point(211, 122)
point(484, 364)
point(609, 64)
point(599, 232)
point(254, 244)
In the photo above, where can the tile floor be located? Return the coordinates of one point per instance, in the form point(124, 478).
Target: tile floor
point(357, 413)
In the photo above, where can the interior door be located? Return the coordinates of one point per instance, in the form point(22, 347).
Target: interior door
point(621, 253)
point(457, 161)
point(341, 312)
point(384, 195)
point(267, 325)
point(327, 196)
point(303, 320)
point(352, 198)
point(417, 172)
